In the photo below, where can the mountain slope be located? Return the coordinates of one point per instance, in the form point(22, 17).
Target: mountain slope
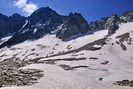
point(83, 69)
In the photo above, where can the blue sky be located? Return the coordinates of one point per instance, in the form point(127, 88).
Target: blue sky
point(90, 9)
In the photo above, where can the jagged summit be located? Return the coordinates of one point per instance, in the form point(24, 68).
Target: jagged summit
point(15, 15)
point(43, 10)
point(43, 14)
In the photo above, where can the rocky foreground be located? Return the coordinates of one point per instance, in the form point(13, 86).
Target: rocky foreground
point(12, 73)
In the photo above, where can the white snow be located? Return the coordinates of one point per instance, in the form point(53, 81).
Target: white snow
point(4, 39)
point(124, 28)
point(35, 30)
point(120, 66)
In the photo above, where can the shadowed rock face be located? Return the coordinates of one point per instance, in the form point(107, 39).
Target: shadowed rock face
point(4, 25)
point(66, 26)
point(45, 15)
point(16, 22)
point(10, 24)
point(98, 24)
point(72, 25)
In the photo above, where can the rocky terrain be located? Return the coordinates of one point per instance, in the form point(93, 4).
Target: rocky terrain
point(12, 74)
point(51, 51)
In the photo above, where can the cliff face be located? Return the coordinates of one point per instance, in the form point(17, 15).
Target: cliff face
point(10, 24)
point(72, 25)
point(4, 25)
point(16, 22)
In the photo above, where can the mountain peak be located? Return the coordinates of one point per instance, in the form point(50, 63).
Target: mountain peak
point(43, 10)
point(3, 16)
point(15, 15)
point(43, 14)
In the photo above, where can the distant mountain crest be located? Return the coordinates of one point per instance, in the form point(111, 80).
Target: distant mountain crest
point(128, 13)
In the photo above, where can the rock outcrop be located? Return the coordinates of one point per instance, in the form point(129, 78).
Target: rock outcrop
point(4, 25)
point(16, 22)
point(98, 24)
point(10, 24)
point(72, 25)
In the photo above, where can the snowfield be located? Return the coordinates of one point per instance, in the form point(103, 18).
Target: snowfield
point(84, 69)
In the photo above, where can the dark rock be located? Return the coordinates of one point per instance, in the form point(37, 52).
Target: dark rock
point(124, 83)
point(112, 24)
point(100, 79)
point(123, 37)
point(72, 25)
point(45, 15)
point(11, 74)
point(98, 24)
point(4, 25)
point(123, 46)
point(16, 22)
point(93, 58)
point(128, 13)
point(105, 62)
point(66, 67)
point(128, 16)
point(10, 24)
